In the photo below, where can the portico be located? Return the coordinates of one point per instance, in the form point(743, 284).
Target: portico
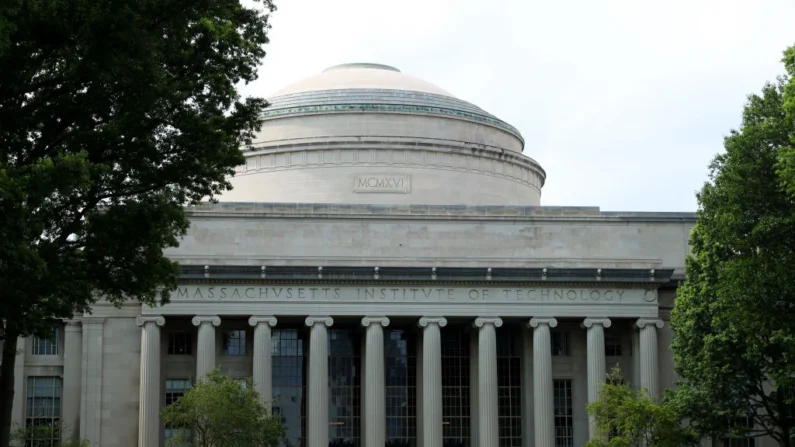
point(481, 308)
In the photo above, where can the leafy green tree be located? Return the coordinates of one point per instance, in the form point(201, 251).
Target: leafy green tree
point(114, 115)
point(219, 412)
point(41, 436)
point(630, 417)
point(734, 319)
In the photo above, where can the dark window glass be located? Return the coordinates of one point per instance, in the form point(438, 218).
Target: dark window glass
point(401, 386)
point(564, 421)
point(179, 343)
point(455, 387)
point(44, 410)
point(612, 345)
point(235, 343)
point(560, 343)
point(289, 385)
point(344, 387)
point(509, 379)
point(46, 346)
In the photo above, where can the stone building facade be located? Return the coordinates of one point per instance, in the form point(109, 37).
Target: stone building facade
point(385, 273)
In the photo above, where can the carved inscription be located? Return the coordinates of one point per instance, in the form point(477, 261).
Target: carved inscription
point(320, 293)
point(396, 183)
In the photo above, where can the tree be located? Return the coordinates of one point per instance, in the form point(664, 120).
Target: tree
point(734, 319)
point(219, 412)
point(630, 417)
point(41, 436)
point(114, 115)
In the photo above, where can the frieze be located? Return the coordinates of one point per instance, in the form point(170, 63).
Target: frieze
point(349, 294)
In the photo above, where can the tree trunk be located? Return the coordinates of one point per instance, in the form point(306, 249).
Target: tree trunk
point(7, 387)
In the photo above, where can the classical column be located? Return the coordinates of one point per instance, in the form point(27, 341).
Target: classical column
point(91, 380)
point(149, 406)
point(18, 405)
point(374, 420)
point(205, 349)
point(72, 352)
point(317, 389)
point(474, 404)
point(262, 370)
point(597, 367)
point(648, 354)
point(432, 380)
point(488, 417)
point(542, 381)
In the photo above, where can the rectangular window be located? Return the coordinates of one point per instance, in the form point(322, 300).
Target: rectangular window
point(44, 410)
point(235, 343)
point(739, 425)
point(560, 343)
point(564, 421)
point(612, 345)
point(179, 343)
point(46, 346)
point(176, 388)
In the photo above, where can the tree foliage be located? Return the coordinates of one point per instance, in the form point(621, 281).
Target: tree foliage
point(734, 319)
point(630, 417)
point(219, 412)
point(41, 436)
point(114, 115)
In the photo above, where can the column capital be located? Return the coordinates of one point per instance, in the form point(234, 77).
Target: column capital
point(425, 321)
point(535, 322)
point(482, 321)
point(604, 322)
point(256, 320)
point(383, 321)
point(198, 320)
point(311, 321)
point(156, 319)
point(643, 322)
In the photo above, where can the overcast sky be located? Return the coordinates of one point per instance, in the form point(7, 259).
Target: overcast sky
point(624, 103)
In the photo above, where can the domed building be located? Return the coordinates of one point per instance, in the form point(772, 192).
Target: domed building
point(384, 271)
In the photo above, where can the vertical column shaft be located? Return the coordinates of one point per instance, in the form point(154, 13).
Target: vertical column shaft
point(73, 349)
point(432, 380)
point(474, 398)
point(374, 420)
point(317, 398)
point(419, 393)
point(149, 406)
point(597, 365)
point(262, 370)
point(205, 350)
point(91, 380)
point(488, 418)
point(18, 405)
point(648, 355)
point(542, 381)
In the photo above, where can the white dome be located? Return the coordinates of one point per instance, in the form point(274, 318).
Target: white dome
point(361, 76)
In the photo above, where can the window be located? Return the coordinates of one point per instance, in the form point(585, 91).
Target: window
point(401, 386)
point(179, 343)
point(455, 387)
point(564, 421)
point(738, 426)
point(344, 365)
point(612, 345)
point(509, 382)
point(560, 343)
point(235, 343)
point(44, 410)
point(289, 392)
point(46, 346)
point(176, 388)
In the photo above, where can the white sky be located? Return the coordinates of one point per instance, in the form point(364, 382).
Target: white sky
point(624, 103)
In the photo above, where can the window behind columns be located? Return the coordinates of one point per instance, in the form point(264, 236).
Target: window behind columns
point(344, 387)
point(509, 379)
point(455, 387)
point(289, 383)
point(401, 386)
point(564, 420)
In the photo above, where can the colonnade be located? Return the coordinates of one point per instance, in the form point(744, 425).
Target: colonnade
point(374, 417)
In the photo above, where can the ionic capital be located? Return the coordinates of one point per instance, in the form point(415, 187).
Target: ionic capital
point(311, 321)
point(383, 321)
point(156, 319)
point(536, 322)
point(206, 319)
point(643, 322)
point(482, 321)
point(426, 321)
point(604, 322)
point(262, 319)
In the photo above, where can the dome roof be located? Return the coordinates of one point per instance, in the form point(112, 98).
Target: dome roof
point(361, 76)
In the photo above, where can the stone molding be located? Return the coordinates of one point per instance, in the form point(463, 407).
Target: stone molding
point(535, 322)
point(605, 322)
point(312, 320)
point(73, 325)
point(425, 321)
point(482, 162)
point(92, 320)
point(156, 319)
point(259, 319)
point(642, 322)
point(206, 319)
point(482, 321)
point(383, 321)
